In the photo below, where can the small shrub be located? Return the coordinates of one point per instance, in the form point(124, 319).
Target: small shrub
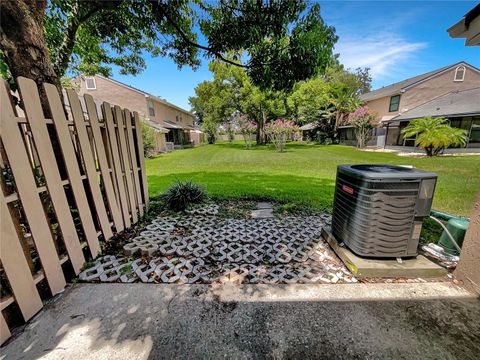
point(230, 129)
point(248, 130)
point(210, 130)
point(279, 131)
point(148, 136)
point(362, 120)
point(183, 194)
point(431, 232)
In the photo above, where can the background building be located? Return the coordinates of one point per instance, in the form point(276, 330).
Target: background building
point(174, 127)
point(451, 91)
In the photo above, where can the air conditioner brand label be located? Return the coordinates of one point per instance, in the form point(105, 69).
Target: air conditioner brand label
point(347, 189)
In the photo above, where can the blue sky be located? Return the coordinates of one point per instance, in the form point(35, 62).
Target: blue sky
point(396, 39)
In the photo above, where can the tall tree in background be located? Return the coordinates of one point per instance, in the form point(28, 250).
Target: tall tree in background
point(310, 101)
point(261, 106)
point(327, 100)
point(344, 88)
point(285, 41)
point(232, 91)
point(358, 81)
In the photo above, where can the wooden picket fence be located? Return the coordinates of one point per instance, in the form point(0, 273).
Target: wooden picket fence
point(69, 181)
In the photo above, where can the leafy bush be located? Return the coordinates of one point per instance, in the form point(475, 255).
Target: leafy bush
point(211, 130)
point(435, 134)
point(148, 136)
point(183, 194)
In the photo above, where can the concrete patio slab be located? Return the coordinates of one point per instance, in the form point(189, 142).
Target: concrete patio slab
point(261, 214)
point(264, 205)
point(350, 321)
point(419, 267)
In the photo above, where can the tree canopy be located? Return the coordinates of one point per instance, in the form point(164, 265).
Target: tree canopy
point(325, 99)
point(284, 41)
point(232, 92)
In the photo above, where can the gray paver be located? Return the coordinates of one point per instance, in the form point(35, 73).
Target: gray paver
point(266, 250)
point(264, 205)
point(262, 214)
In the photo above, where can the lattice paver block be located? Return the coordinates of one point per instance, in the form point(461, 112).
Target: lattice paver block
point(198, 246)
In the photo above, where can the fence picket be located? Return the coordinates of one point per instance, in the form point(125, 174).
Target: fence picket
point(38, 127)
point(73, 170)
point(27, 192)
point(31, 154)
point(4, 330)
point(138, 134)
point(104, 167)
point(133, 160)
point(16, 266)
point(118, 118)
point(115, 152)
point(89, 163)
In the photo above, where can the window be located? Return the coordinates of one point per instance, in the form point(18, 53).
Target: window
point(394, 102)
point(459, 73)
point(151, 108)
point(178, 118)
point(90, 83)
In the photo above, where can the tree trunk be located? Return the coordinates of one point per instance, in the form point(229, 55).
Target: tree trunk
point(261, 137)
point(23, 44)
point(25, 52)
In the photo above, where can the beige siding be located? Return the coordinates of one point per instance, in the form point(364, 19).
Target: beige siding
point(115, 94)
point(163, 113)
point(160, 145)
point(381, 106)
point(197, 138)
point(426, 91)
point(124, 96)
point(438, 86)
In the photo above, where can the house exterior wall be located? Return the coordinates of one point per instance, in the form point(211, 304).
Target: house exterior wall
point(160, 145)
point(437, 86)
point(115, 94)
point(197, 138)
point(381, 105)
point(425, 91)
point(163, 113)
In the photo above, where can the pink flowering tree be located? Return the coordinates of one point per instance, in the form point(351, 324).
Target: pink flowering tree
point(279, 131)
point(362, 120)
point(248, 129)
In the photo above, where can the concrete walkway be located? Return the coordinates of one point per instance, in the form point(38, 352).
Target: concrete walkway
point(351, 321)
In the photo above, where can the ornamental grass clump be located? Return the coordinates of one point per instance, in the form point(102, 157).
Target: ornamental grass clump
point(181, 195)
point(279, 131)
point(248, 128)
point(362, 120)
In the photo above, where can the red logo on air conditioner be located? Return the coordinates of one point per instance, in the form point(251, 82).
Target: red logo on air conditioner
point(347, 189)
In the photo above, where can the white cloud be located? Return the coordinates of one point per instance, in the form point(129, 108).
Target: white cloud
point(383, 53)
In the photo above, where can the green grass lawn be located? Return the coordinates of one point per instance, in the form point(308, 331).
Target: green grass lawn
point(303, 174)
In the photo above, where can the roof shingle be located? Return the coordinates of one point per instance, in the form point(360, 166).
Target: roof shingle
point(397, 88)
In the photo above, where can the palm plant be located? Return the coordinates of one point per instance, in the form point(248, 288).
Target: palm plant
point(434, 134)
point(345, 101)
